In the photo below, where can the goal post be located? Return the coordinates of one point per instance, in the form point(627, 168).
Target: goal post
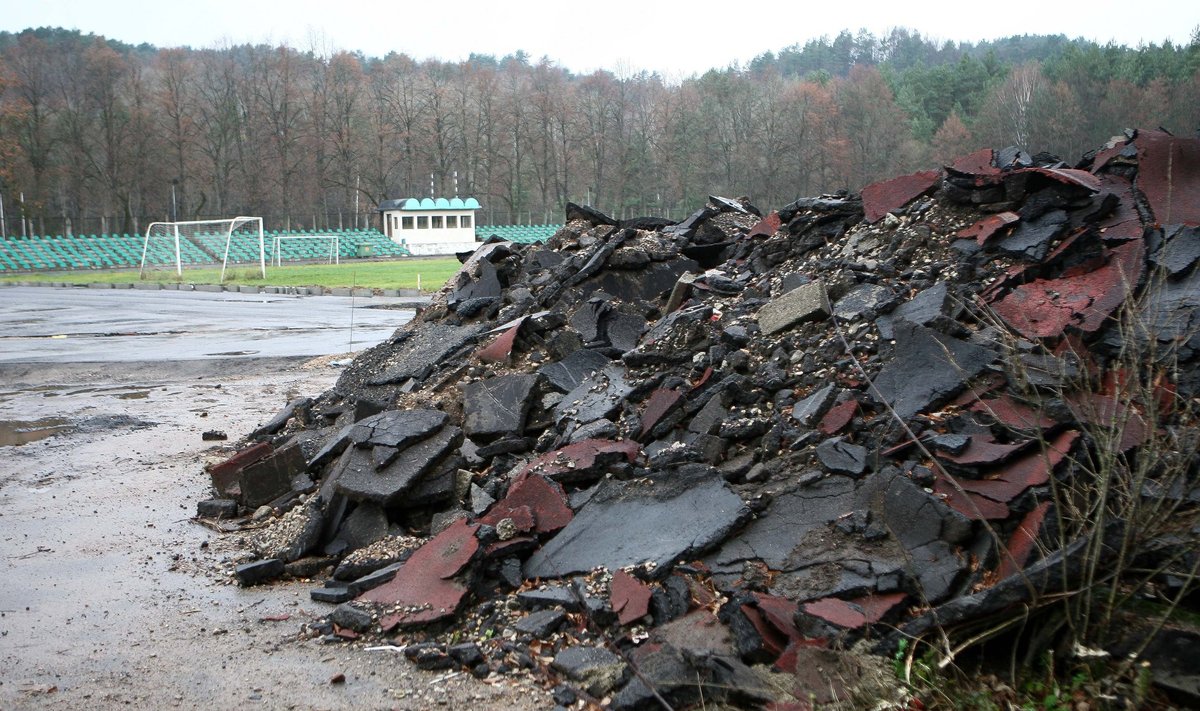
point(203, 239)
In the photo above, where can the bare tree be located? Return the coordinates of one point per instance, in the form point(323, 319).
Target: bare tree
point(875, 126)
point(1011, 104)
point(277, 90)
point(33, 112)
point(221, 113)
point(346, 128)
point(175, 104)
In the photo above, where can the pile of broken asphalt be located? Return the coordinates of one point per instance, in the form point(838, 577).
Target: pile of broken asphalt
point(656, 461)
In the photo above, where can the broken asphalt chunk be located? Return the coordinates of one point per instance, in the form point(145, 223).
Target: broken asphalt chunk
point(927, 367)
point(863, 300)
point(225, 474)
point(540, 624)
point(415, 357)
point(842, 457)
point(883, 197)
point(1045, 308)
point(598, 396)
point(217, 508)
point(271, 477)
point(260, 571)
point(583, 461)
point(630, 597)
point(1169, 176)
point(424, 589)
point(356, 477)
point(497, 406)
point(1177, 249)
point(567, 374)
point(634, 522)
point(543, 501)
point(810, 409)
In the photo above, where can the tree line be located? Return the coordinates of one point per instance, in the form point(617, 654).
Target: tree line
point(101, 136)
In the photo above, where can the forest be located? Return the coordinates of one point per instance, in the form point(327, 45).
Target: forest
point(100, 136)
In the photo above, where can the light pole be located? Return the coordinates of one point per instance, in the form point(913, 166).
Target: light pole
point(174, 209)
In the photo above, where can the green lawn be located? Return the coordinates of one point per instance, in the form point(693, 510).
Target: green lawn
point(400, 274)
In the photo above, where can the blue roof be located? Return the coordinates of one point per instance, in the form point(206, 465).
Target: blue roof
point(430, 204)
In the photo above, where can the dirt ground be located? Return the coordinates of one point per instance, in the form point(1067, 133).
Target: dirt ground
point(113, 597)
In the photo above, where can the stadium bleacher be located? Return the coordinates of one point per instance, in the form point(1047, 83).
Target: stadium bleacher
point(115, 251)
point(105, 251)
point(522, 234)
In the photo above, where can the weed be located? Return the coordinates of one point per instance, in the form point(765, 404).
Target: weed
point(1121, 527)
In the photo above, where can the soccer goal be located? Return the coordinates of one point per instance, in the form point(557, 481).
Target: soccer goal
point(335, 247)
point(201, 240)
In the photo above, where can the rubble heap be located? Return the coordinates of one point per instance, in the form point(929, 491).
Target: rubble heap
point(658, 456)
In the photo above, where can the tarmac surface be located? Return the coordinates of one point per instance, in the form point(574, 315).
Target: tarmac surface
point(71, 325)
point(113, 595)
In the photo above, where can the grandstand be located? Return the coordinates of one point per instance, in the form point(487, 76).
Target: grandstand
point(523, 234)
point(122, 251)
point(53, 253)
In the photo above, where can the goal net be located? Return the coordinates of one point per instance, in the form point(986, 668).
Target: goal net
point(198, 241)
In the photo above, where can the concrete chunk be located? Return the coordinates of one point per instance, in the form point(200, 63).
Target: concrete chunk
point(809, 302)
point(596, 669)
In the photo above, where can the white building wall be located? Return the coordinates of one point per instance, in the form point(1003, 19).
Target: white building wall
point(425, 232)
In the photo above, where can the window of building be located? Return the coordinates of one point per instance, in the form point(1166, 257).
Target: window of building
point(406, 223)
point(466, 221)
point(395, 223)
point(436, 222)
point(451, 222)
point(422, 222)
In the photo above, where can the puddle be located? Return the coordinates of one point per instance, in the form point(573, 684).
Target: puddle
point(136, 395)
point(14, 433)
point(45, 390)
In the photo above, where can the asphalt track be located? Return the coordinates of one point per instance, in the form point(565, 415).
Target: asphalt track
point(72, 325)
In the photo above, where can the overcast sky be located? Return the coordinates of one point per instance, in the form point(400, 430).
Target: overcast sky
point(675, 39)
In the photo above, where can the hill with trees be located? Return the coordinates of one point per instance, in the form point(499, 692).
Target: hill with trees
point(96, 135)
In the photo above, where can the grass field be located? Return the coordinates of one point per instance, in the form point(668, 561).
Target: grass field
point(400, 274)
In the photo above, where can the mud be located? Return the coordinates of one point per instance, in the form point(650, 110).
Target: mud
point(113, 596)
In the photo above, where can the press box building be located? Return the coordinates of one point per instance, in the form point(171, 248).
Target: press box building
point(431, 225)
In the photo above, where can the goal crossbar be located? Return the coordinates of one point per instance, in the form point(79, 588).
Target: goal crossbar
point(224, 227)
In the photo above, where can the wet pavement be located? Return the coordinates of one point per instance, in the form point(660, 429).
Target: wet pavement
point(66, 325)
point(113, 596)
